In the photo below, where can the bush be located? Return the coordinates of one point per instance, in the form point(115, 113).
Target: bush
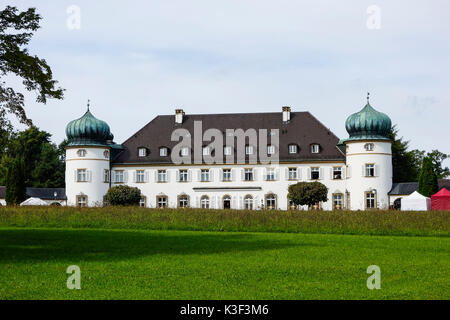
point(123, 196)
point(307, 193)
point(15, 182)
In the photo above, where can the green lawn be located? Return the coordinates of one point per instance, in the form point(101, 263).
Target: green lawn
point(126, 264)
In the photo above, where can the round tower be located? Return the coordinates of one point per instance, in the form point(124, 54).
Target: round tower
point(369, 159)
point(88, 156)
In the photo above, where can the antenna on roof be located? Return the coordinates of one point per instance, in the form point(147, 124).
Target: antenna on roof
point(368, 94)
point(88, 104)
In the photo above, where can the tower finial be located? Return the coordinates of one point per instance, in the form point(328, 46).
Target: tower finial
point(88, 104)
point(368, 94)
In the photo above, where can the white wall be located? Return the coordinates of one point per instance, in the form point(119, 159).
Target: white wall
point(95, 162)
point(3, 202)
point(358, 184)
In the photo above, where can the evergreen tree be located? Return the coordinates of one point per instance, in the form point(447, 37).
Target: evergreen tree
point(15, 182)
point(428, 184)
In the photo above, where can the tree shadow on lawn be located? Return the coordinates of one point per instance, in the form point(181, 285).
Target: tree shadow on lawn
point(34, 245)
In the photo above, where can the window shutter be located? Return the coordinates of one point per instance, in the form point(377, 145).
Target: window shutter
point(233, 174)
point(309, 174)
point(220, 174)
point(242, 174)
point(362, 171)
point(146, 176)
point(156, 175)
point(277, 174)
point(178, 175)
point(241, 202)
point(349, 172)
point(189, 175)
point(89, 176)
point(75, 175)
point(320, 173)
point(125, 176)
point(134, 176)
point(343, 172)
point(211, 174)
point(199, 175)
point(255, 174)
point(331, 173)
point(286, 173)
point(377, 170)
point(168, 173)
point(233, 202)
point(264, 174)
point(197, 202)
point(299, 173)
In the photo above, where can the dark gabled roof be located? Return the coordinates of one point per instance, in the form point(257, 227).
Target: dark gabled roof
point(303, 129)
point(47, 193)
point(406, 188)
point(2, 192)
point(403, 188)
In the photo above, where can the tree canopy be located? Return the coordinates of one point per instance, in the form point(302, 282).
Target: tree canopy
point(16, 30)
point(428, 183)
point(307, 193)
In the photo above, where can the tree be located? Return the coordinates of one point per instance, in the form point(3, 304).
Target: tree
point(428, 184)
point(436, 159)
point(307, 193)
point(49, 171)
point(123, 196)
point(15, 186)
point(16, 30)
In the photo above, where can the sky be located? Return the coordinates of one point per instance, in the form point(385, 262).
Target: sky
point(137, 59)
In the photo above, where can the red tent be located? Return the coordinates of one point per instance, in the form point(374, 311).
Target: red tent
point(441, 200)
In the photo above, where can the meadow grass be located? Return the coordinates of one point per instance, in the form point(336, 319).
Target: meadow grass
point(425, 223)
point(163, 264)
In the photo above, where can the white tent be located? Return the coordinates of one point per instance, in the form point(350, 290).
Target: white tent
point(415, 202)
point(34, 202)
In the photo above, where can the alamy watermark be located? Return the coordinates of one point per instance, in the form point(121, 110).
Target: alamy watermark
point(74, 280)
point(373, 21)
point(73, 21)
point(374, 281)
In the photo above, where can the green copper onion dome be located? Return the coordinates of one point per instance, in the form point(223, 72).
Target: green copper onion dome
point(368, 124)
point(88, 130)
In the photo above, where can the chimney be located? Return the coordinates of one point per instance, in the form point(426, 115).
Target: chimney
point(286, 114)
point(179, 113)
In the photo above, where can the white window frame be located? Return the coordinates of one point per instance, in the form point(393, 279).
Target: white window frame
point(270, 149)
point(270, 174)
point(315, 169)
point(184, 151)
point(248, 150)
point(248, 175)
point(82, 175)
point(204, 202)
point(140, 176)
point(369, 170)
point(293, 148)
point(183, 175)
point(337, 171)
point(142, 152)
point(315, 148)
point(163, 152)
point(205, 175)
point(227, 151)
point(83, 202)
point(226, 175)
point(206, 151)
point(143, 202)
point(292, 174)
point(106, 175)
point(81, 153)
point(162, 201)
point(248, 202)
point(119, 176)
point(369, 146)
point(161, 176)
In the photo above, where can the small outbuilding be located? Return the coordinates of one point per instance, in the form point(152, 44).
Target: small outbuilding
point(415, 202)
point(441, 200)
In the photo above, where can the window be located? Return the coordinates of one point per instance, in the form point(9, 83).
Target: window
point(142, 152)
point(163, 152)
point(370, 170)
point(204, 175)
point(82, 175)
point(248, 150)
point(337, 201)
point(292, 148)
point(270, 149)
point(143, 202)
point(315, 148)
point(369, 146)
point(184, 151)
point(82, 201)
point(291, 205)
point(270, 174)
point(248, 174)
point(206, 151)
point(183, 201)
point(81, 153)
point(292, 174)
point(140, 176)
point(248, 202)
point(106, 154)
point(226, 175)
point(183, 175)
point(204, 202)
point(271, 202)
point(227, 150)
point(315, 173)
point(337, 173)
point(119, 176)
point(106, 175)
point(370, 200)
point(162, 176)
point(161, 201)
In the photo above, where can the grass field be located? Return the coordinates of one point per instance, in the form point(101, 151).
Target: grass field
point(117, 264)
point(319, 255)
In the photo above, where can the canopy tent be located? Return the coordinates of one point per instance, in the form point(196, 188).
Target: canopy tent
point(34, 202)
point(441, 200)
point(415, 202)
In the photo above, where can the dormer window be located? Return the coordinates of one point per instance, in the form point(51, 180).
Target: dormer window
point(227, 151)
point(292, 148)
point(184, 151)
point(270, 149)
point(163, 151)
point(106, 154)
point(315, 148)
point(142, 152)
point(81, 153)
point(369, 146)
point(206, 151)
point(248, 150)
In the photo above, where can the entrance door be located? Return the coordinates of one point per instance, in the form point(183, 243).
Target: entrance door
point(227, 202)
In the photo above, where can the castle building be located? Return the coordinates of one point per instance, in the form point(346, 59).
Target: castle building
point(357, 171)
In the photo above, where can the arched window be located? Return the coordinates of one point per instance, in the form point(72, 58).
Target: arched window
point(369, 146)
point(106, 154)
point(271, 201)
point(183, 201)
point(81, 153)
point(204, 202)
point(248, 202)
point(226, 202)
